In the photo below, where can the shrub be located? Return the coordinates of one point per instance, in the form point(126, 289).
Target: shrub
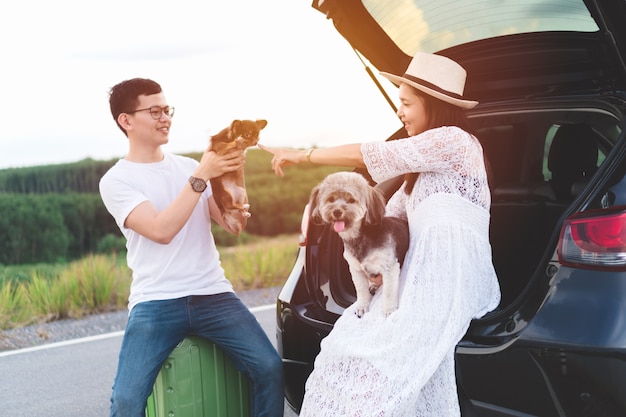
point(13, 302)
point(111, 244)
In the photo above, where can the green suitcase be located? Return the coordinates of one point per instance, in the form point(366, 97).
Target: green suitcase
point(199, 380)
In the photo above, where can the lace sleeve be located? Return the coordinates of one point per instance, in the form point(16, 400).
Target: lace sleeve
point(396, 206)
point(443, 150)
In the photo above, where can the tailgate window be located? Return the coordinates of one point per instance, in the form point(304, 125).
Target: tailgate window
point(434, 25)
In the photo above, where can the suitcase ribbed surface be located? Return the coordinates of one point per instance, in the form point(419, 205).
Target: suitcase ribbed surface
point(199, 380)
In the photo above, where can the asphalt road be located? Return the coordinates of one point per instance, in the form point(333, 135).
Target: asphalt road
point(74, 378)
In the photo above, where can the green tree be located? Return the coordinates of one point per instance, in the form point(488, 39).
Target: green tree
point(31, 230)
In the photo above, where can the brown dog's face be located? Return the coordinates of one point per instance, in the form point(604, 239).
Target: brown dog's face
point(245, 133)
point(345, 200)
point(240, 134)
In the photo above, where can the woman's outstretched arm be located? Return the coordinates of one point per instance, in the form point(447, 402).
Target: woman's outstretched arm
point(342, 155)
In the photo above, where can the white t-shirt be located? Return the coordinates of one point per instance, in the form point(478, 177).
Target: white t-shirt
point(189, 264)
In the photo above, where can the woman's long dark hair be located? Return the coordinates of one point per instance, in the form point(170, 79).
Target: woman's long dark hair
point(439, 114)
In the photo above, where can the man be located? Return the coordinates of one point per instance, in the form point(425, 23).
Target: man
point(163, 206)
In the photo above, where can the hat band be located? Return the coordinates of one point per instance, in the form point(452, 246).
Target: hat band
point(432, 86)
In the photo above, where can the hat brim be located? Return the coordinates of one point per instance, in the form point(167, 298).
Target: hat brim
point(465, 104)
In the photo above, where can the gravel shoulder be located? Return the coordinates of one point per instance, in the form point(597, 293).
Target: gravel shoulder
point(96, 324)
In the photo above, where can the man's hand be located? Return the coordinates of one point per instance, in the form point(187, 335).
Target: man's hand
point(213, 165)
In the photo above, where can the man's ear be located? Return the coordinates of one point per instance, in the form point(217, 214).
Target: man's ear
point(124, 121)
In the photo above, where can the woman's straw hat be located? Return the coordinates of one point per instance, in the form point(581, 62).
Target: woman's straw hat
point(436, 76)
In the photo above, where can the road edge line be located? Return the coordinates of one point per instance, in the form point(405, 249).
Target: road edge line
point(103, 336)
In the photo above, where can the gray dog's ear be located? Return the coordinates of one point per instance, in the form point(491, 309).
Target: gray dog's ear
point(375, 206)
point(314, 211)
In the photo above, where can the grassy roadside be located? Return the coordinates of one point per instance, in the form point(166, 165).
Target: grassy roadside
point(99, 283)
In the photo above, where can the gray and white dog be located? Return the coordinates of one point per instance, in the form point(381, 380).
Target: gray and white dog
point(374, 244)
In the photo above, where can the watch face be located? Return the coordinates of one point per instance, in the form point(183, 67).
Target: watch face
point(197, 184)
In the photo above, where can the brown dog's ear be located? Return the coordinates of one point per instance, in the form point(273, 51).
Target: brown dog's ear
point(314, 211)
point(375, 206)
point(234, 128)
point(261, 123)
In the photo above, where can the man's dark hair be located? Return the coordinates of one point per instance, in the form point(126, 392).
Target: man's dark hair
point(124, 97)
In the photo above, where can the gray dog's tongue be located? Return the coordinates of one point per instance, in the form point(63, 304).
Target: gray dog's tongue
point(339, 226)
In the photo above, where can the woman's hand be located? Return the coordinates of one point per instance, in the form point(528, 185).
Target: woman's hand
point(375, 282)
point(284, 157)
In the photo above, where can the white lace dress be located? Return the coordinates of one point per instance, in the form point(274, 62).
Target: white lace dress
point(403, 365)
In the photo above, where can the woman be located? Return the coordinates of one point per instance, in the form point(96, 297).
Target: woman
point(403, 365)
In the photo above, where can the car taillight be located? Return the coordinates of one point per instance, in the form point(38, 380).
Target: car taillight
point(594, 239)
point(304, 226)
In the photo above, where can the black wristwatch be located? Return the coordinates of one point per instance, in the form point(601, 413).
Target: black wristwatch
point(198, 184)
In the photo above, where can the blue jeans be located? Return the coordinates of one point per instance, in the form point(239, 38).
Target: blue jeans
point(155, 328)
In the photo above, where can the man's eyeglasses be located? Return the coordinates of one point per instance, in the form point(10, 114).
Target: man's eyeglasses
point(156, 112)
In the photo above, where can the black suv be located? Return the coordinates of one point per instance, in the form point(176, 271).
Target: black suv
point(550, 76)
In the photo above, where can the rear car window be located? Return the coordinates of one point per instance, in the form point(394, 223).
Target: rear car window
point(434, 25)
point(518, 144)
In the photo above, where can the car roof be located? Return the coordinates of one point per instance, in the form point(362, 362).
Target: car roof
point(511, 49)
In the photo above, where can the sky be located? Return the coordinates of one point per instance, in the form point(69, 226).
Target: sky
point(279, 60)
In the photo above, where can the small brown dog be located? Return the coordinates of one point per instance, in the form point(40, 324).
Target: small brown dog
point(229, 189)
